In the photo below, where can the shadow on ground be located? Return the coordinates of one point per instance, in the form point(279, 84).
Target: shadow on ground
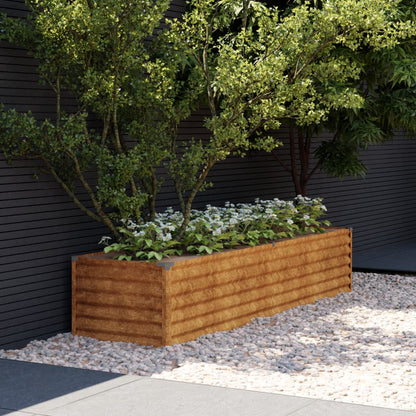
point(24, 384)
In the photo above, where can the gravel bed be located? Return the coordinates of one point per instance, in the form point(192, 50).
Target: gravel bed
point(358, 347)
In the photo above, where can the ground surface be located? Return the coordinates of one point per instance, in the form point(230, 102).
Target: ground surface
point(358, 347)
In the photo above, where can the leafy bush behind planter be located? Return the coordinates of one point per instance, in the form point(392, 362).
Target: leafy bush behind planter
point(218, 228)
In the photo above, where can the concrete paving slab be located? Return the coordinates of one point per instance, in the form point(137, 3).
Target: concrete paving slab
point(148, 396)
point(81, 394)
point(7, 412)
point(330, 408)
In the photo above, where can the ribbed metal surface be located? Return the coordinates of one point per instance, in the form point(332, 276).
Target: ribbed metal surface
point(157, 305)
point(117, 301)
point(226, 290)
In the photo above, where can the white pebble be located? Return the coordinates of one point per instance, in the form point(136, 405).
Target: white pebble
point(358, 347)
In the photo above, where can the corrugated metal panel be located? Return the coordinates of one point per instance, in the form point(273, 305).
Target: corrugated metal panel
point(200, 295)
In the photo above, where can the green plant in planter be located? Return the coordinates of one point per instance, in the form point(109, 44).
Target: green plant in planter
point(218, 228)
point(117, 103)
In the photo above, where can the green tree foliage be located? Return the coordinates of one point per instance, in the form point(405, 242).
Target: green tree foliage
point(99, 51)
point(260, 66)
point(253, 64)
point(380, 74)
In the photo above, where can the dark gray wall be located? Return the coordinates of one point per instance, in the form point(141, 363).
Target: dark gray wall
point(380, 207)
point(40, 228)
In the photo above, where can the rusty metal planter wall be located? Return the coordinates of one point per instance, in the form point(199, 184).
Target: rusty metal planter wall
point(177, 300)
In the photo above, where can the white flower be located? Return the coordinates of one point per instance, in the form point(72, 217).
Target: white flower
point(289, 221)
point(104, 240)
point(306, 217)
point(217, 231)
point(167, 237)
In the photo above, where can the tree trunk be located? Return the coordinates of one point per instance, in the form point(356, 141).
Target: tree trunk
point(293, 163)
point(188, 206)
point(300, 161)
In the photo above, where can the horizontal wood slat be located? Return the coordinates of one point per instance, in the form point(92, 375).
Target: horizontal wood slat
point(29, 312)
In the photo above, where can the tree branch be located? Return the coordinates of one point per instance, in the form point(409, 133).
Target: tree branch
point(201, 179)
point(103, 220)
point(295, 174)
point(316, 167)
point(283, 164)
point(205, 67)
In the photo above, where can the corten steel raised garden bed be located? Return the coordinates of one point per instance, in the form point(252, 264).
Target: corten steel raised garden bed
point(181, 298)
